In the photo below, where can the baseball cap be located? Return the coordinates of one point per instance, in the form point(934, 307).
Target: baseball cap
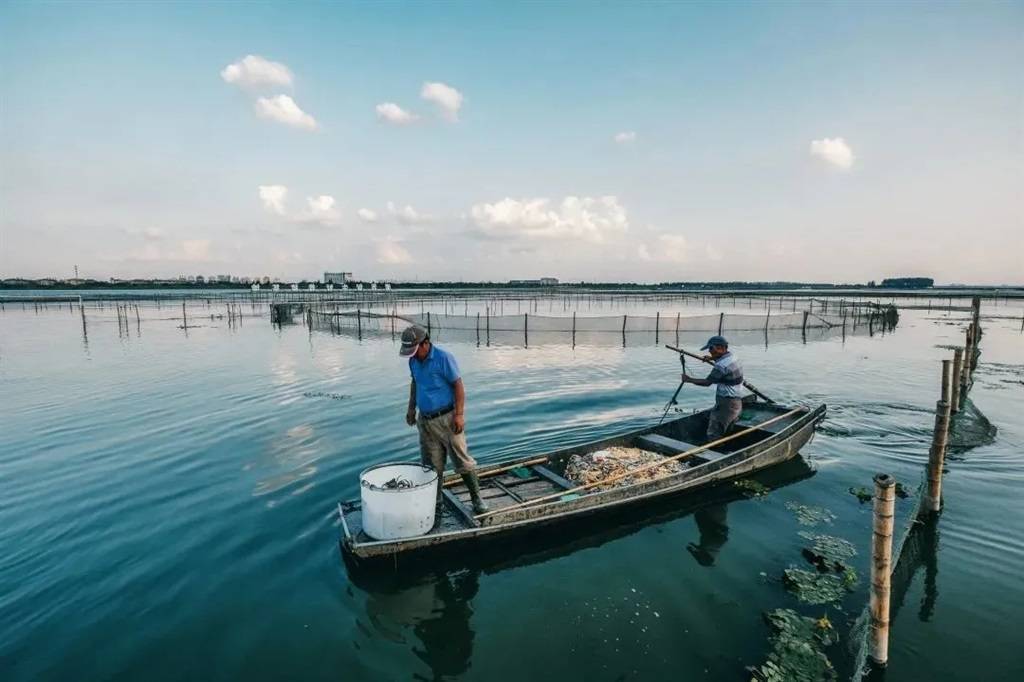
point(412, 337)
point(713, 341)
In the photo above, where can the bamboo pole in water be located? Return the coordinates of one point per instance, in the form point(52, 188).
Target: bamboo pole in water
point(956, 380)
point(940, 438)
point(881, 568)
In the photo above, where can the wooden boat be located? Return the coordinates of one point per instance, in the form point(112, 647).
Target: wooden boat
point(509, 486)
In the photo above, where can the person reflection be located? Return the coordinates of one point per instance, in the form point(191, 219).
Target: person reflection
point(446, 634)
point(437, 607)
point(713, 526)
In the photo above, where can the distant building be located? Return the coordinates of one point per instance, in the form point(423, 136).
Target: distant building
point(265, 280)
point(908, 282)
point(256, 287)
point(330, 287)
point(295, 287)
point(337, 277)
point(542, 282)
point(277, 287)
point(387, 286)
point(199, 279)
point(312, 287)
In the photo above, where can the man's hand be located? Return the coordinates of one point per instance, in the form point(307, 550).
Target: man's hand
point(708, 358)
point(684, 378)
point(458, 423)
point(410, 417)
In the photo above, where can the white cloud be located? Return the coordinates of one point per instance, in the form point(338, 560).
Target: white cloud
point(833, 150)
point(196, 250)
point(254, 71)
point(273, 198)
point(593, 219)
point(392, 113)
point(283, 109)
point(625, 137)
point(666, 248)
point(367, 215)
point(444, 96)
point(320, 210)
point(407, 215)
point(391, 252)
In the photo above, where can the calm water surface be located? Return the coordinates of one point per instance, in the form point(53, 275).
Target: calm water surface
point(169, 508)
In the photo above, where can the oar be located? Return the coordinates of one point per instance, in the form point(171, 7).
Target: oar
point(652, 465)
point(672, 401)
point(746, 384)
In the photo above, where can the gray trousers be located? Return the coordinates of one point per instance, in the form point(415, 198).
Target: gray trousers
point(723, 415)
point(438, 442)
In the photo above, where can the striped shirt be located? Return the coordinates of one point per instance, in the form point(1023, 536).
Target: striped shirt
point(728, 374)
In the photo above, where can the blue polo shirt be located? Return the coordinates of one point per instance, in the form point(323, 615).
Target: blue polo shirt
point(435, 378)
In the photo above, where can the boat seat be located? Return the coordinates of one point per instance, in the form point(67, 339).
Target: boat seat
point(663, 444)
point(670, 446)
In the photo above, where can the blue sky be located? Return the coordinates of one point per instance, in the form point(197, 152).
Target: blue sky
point(647, 142)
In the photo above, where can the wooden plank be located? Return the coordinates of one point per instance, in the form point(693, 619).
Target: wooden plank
point(663, 444)
point(553, 477)
point(507, 491)
point(461, 510)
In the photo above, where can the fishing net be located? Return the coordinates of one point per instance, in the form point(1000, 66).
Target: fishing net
point(618, 461)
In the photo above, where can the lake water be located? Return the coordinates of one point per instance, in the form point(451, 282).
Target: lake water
point(169, 507)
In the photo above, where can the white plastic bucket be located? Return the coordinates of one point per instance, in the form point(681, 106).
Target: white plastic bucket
point(392, 513)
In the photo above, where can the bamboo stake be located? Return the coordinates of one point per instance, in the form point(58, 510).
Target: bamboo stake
point(940, 438)
point(652, 465)
point(956, 380)
point(881, 567)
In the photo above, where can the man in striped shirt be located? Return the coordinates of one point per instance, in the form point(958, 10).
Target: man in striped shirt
point(727, 376)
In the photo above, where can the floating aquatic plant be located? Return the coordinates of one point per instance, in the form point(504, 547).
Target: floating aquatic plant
point(862, 494)
point(827, 552)
point(751, 488)
point(798, 645)
point(810, 516)
point(812, 587)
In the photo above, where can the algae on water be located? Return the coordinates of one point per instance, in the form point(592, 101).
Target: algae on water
point(828, 552)
point(751, 488)
point(798, 649)
point(810, 516)
point(812, 587)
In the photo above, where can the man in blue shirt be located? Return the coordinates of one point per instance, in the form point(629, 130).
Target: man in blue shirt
point(437, 391)
point(727, 375)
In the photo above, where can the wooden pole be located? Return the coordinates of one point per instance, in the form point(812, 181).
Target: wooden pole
point(478, 329)
point(721, 319)
point(803, 328)
point(955, 380)
point(574, 328)
point(623, 331)
point(881, 568)
point(940, 438)
point(526, 329)
point(184, 317)
point(652, 465)
point(657, 326)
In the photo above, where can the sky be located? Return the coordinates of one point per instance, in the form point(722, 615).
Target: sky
point(827, 142)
